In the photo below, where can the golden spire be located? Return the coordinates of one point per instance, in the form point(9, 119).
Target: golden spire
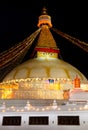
point(46, 42)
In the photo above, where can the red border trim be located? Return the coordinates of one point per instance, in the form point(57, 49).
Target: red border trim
point(48, 50)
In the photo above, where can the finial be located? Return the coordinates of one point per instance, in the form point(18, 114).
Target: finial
point(44, 10)
point(44, 18)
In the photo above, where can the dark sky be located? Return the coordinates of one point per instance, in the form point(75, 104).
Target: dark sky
point(19, 20)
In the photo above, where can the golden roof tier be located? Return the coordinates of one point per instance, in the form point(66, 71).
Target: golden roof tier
point(46, 42)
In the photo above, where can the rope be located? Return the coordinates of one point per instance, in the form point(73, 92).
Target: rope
point(14, 52)
point(75, 41)
point(13, 56)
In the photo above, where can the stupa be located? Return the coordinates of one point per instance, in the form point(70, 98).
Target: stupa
point(47, 73)
point(44, 92)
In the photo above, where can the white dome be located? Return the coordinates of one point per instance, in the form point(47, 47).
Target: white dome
point(38, 67)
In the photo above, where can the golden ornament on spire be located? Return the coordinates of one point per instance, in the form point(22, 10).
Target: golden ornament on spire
point(44, 19)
